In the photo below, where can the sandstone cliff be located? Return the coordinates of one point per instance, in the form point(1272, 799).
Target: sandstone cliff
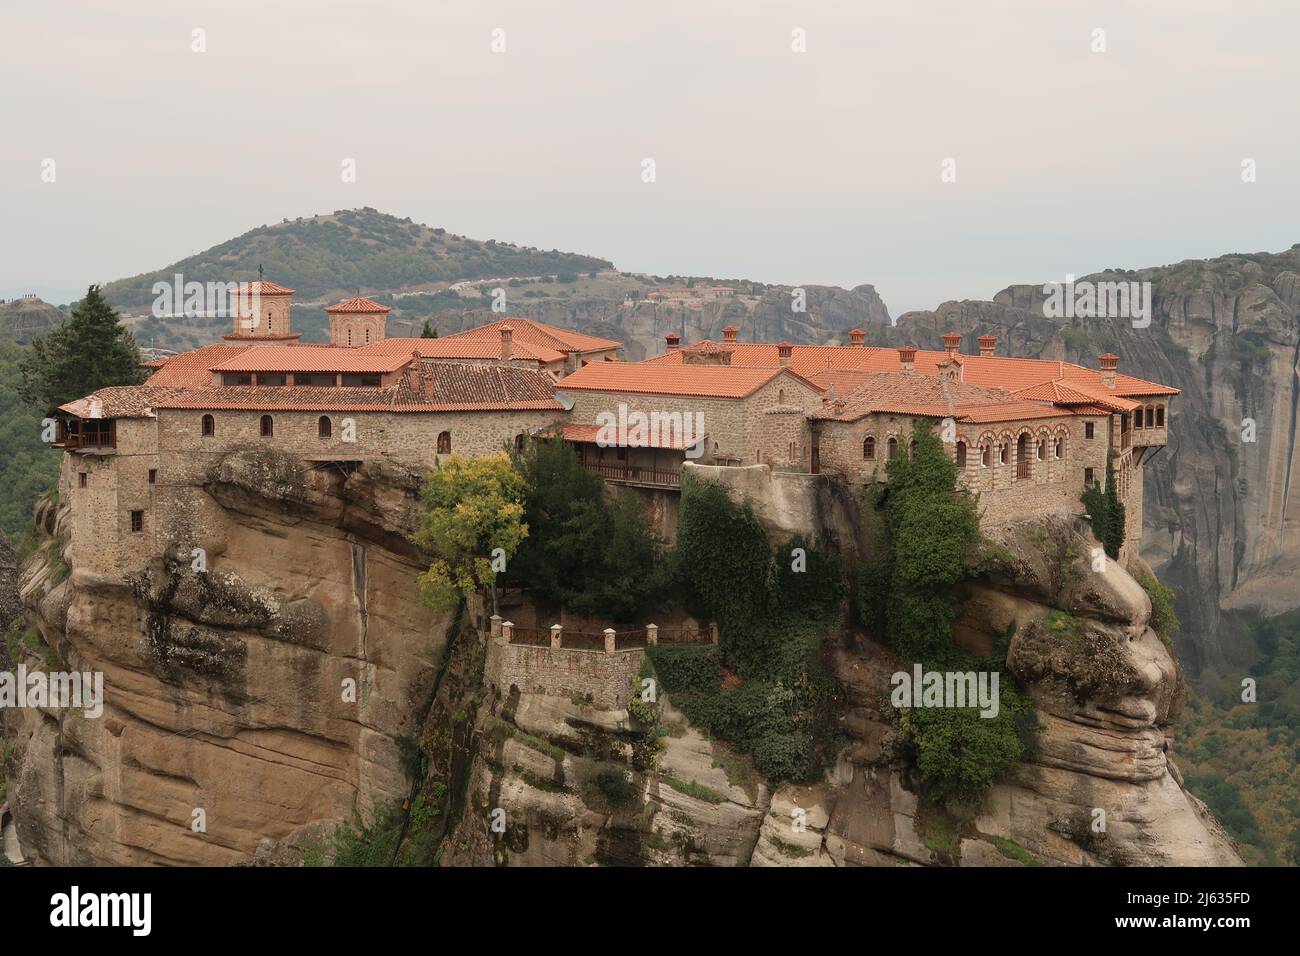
point(228, 716)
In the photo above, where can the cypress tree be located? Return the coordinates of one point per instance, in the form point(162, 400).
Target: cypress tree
point(92, 350)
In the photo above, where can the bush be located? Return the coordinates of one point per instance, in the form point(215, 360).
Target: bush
point(1164, 620)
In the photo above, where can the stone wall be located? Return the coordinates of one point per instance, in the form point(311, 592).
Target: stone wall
point(566, 673)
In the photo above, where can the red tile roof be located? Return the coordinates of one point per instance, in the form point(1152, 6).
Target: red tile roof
point(436, 387)
point(194, 369)
point(705, 381)
point(537, 334)
point(455, 347)
point(902, 393)
point(311, 358)
point(358, 304)
point(262, 287)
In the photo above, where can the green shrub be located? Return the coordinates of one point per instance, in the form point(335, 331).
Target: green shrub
point(1164, 620)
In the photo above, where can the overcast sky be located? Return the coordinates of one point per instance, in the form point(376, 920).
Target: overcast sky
point(815, 167)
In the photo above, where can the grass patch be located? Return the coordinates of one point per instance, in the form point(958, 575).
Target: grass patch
point(1013, 851)
point(697, 790)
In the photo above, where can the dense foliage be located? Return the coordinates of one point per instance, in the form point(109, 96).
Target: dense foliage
point(28, 466)
point(92, 350)
point(929, 537)
point(1107, 513)
point(765, 690)
point(1242, 757)
point(589, 551)
point(472, 524)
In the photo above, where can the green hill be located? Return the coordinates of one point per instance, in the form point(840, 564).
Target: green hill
point(330, 257)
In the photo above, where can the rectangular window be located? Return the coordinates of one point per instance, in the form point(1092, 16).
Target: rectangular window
point(82, 478)
point(137, 521)
point(1087, 477)
point(236, 380)
point(315, 381)
point(153, 476)
point(1087, 429)
point(270, 379)
point(361, 381)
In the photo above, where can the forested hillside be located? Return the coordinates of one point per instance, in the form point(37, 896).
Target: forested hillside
point(27, 465)
point(332, 256)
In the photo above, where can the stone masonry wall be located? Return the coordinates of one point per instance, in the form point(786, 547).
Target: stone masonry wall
point(605, 679)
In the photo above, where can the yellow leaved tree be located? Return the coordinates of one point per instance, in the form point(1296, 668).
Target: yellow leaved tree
point(472, 525)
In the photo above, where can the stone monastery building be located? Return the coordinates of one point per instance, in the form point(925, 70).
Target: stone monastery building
point(1027, 435)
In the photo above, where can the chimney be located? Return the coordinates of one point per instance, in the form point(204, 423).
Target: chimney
point(729, 334)
point(906, 358)
point(783, 352)
point(1109, 362)
point(507, 339)
point(951, 343)
point(674, 341)
point(987, 344)
point(857, 337)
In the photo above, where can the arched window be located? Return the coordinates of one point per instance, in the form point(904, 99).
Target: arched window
point(1002, 454)
point(986, 456)
point(268, 426)
point(1151, 416)
point(1042, 449)
point(1060, 446)
point(869, 447)
point(961, 454)
point(208, 426)
point(892, 449)
point(1160, 416)
point(780, 396)
point(519, 442)
point(324, 427)
point(1022, 456)
point(444, 443)
point(791, 456)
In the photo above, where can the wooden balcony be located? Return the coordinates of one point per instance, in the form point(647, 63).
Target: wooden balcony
point(621, 473)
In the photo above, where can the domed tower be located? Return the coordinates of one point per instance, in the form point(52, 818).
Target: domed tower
point(260, 313)
point(358, 321)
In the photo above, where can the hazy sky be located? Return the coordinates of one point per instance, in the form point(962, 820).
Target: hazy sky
point(815, 167)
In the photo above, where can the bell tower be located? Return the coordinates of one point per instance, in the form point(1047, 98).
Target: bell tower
point(356, 322)
point(260, 314)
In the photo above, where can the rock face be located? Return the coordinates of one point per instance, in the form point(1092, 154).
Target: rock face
point(1221, 509)
point(251, 701)
point(1099, 787)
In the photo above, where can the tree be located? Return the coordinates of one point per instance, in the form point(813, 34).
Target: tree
point(585, 551)
point(92, 350)
point(472, 525)
point(1107, 513)
point(428, 332)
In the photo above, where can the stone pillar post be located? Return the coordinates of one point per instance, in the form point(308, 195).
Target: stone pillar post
point(651, 634)
point(507, 630)
point(557, 636)
point(496, 625)
point(609, 640)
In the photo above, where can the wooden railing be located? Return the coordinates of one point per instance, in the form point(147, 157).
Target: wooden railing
point(635, 474)
point(1022, 467)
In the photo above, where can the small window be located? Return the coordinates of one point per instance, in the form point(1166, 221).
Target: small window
point(444, 443)
point(791, 456)
point(1002, 454)
point(153, 476)
point(137, 522)
point(236, 380)
point(1160, 416)
point(1151, 416)
point(1042, 449)
point(869, 448)
point(1060, 447)
point(268, 378)
point(519, 443)
point(82, 479)
point(961, 454)
point(1087, 477)
point(209, 426)
point(986, 456)
point(891, 449)
point(324, 427)
point(315, 381)
point(268, 426)
point(361, 381)
point(1087, 429)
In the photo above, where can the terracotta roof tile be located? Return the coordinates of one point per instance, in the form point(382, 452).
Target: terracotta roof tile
point(354, 305)
point(705, 381)
point(311, 358)
point(455, 347)
point(538, 334)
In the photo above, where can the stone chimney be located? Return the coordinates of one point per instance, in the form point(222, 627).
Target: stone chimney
point(674, 341)
point(729, 334)
point(987, 344)
point(507, 343)
point(906, 358)
point(1109, 362)
point(952, 343)
point(857, 337)
point(784, 351)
